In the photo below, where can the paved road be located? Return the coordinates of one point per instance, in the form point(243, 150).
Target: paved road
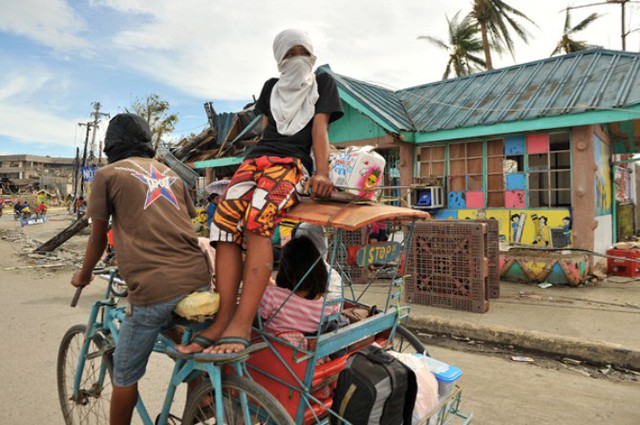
point(35, 306)
point(501, 392)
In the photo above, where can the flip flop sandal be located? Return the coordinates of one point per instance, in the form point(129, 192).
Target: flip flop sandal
point(202, 341)
point(231, 357)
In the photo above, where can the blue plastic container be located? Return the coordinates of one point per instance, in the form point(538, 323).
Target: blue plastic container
point(446, 374)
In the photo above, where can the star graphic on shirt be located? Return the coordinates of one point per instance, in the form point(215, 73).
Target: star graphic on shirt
point(158, 185)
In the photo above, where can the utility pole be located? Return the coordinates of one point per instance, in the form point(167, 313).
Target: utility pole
point(88, 124)
point(623, 31)
point(96, 120)
point(76, 169)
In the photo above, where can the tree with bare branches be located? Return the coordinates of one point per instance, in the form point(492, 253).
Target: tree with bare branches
point(156, 112)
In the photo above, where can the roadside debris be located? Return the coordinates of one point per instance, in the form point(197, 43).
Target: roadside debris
point(571, 361)
point(522, 359)
point(53, 261)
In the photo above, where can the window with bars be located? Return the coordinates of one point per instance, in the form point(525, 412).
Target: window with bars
point(432, 161)
point(497, 166)
point(549, 174)
point(466, 167)
point(523, 171)
point(391, 195)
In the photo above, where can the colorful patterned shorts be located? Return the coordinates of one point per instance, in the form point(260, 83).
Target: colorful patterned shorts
point(259, 193)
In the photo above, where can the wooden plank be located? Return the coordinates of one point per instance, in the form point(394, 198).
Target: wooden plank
point(64, 235)
point(350, 216)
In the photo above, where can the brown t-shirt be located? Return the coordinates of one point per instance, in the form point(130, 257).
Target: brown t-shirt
point(157, 249)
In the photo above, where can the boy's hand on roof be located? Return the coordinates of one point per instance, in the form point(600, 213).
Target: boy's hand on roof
point(320, 185)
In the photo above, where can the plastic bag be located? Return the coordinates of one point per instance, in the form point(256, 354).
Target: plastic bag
point(427, 397)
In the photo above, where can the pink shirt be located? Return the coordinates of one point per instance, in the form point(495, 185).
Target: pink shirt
point(298, 314)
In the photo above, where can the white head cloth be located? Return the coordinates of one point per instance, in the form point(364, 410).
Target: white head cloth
point(294, 96)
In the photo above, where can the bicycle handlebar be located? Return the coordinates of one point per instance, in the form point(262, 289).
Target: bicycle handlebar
point(76, 296)
point(100, 272)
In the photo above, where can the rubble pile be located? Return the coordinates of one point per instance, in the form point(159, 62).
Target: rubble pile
point(60, 259)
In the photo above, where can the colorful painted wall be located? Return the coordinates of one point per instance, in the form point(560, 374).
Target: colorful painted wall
point(536, 227)
point(602, 155)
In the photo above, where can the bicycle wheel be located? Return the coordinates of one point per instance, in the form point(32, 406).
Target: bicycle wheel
point(263, 407)
point(92, 405)
point(406, 341)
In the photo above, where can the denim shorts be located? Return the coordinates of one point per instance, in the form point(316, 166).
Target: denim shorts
point(138, 334)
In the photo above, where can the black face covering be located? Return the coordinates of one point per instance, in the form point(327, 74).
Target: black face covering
point(128, 135)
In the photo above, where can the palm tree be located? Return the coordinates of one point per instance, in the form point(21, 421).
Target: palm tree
point(464, 43)
point(567, 43)
point(494, 18)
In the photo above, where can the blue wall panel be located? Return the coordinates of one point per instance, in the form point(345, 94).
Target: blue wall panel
point(515, 145)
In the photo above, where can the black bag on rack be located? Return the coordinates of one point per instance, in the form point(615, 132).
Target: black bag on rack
point(374, 388)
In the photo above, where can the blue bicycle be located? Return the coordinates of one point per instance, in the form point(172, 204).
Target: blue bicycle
point(85, 364)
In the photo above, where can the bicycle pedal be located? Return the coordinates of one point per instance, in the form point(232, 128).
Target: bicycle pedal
point(104, 341)
point(171, 420)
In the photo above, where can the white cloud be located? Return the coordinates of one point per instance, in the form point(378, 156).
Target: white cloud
point(27, 124)
point(220, 49)
point(52, 23)
point(32, 106)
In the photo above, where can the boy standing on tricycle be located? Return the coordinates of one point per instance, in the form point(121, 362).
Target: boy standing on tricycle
point(296, 109)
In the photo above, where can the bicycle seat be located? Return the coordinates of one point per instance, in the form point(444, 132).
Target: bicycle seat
point(198, 306)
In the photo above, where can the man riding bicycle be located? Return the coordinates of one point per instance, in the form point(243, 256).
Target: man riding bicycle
point(158, 254)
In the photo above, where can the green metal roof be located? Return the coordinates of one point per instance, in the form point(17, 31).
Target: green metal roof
point(224, 122)
point(568, 85)
point(218, 162)
point(383, 105)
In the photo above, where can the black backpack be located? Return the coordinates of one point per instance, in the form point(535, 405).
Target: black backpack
point(374, 388)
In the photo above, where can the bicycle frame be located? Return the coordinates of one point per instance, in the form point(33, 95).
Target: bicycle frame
point(111, 315)
point(327, 343)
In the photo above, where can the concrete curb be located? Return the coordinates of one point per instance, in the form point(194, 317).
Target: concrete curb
point(591, 351)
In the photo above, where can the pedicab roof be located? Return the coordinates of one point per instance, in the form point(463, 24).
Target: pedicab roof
point(350, 216)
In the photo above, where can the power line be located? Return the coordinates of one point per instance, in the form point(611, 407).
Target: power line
point(189, 129)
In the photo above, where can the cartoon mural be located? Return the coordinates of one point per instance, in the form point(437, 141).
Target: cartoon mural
point(541, 228)
point(369, 180)
point(602, 155)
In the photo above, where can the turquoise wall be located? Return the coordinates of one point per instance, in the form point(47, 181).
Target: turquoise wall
point(353, 126)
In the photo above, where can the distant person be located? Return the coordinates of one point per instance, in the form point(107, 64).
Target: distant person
point(378, 232)
point(211, 207)
point(41, 209)
point(150, 211)
point(81, 206)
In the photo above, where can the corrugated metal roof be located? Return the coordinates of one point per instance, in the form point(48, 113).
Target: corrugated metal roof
point(224, 122)
point(589, 80)
point(384, 103)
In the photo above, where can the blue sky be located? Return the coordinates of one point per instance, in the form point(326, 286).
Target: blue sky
point(59, 56)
